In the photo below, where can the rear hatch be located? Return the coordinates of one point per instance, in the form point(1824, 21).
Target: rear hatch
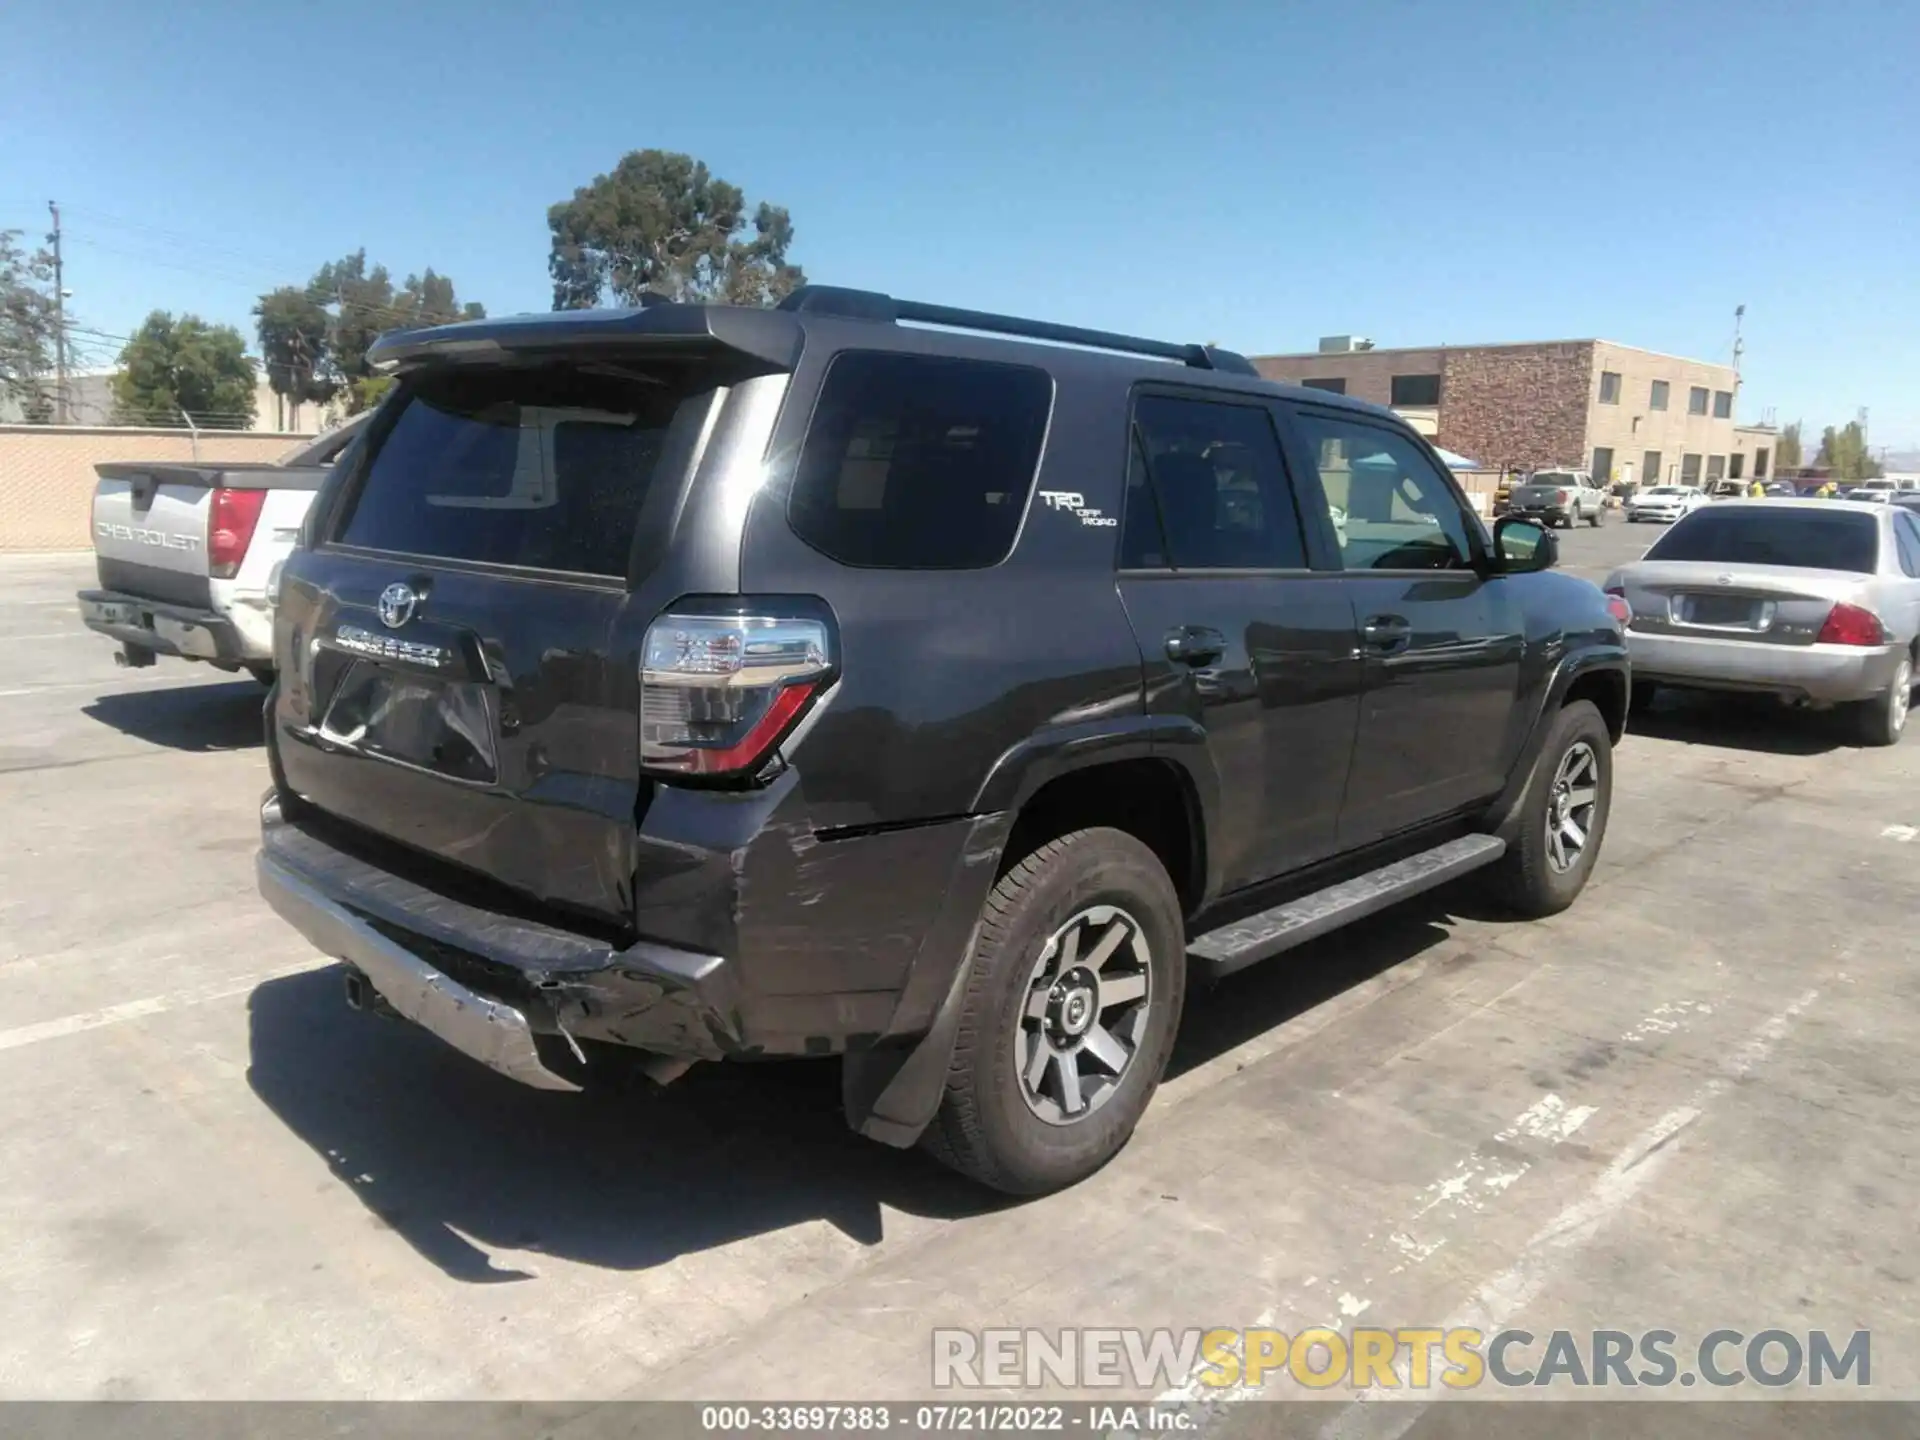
point(1739, 572)
point(459, 651)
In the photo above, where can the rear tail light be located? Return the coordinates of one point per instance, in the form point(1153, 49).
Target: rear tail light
point(1851, 625)
point(1617, 605)
point(719, 692)
point(1560, 497)
point(230, 521)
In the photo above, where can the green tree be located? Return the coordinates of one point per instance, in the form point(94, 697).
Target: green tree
point(662, 222)
point(170, 366)
point(361, 304)
point(28, 318)
point(1844, 451)
point(1786, 450)
point(293, 344)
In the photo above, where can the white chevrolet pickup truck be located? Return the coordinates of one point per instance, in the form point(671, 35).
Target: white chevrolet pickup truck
point(187, 554)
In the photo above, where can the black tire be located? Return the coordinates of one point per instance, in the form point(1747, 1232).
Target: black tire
point(987, 1128)
point(1883, 719)
point(1599, 514)
point(1529, 879)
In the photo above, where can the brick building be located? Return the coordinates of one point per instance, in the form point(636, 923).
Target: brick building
point(1621, 413)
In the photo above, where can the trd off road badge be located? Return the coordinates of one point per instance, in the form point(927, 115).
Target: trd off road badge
point(1076, 502)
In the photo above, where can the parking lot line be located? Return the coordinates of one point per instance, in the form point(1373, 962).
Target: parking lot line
point(150, 1005)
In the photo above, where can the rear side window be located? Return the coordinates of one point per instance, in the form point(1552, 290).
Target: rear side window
point(917, 462)
point(1788, 536)
point(544, 468)
point(1206, 490)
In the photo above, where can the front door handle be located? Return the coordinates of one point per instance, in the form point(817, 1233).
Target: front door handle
point(1384, 634)
point(1195, 645)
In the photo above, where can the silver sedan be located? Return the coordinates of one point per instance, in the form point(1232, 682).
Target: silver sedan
point(1816, 602)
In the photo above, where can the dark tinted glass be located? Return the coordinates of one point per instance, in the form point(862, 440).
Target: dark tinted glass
point(544, 468)
point(1907, 535)
point(1795, 536)
point(1415, 390)
point(915, 462)
point(1143, 545)
point(1224, 498)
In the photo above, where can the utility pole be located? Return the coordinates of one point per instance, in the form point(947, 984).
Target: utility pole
point(1739, 346)
point(59, 321)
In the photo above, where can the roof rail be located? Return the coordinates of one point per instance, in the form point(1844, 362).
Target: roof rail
point(846, 304)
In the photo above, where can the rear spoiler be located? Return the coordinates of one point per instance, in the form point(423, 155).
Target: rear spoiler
point(771, 337)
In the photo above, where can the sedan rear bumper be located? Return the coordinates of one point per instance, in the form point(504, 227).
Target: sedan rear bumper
point(1822, 674)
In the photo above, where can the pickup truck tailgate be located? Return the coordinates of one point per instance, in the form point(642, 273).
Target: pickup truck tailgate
point(150, 531)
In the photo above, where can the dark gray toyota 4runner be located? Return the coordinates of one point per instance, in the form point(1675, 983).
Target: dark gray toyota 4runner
point(698, 683)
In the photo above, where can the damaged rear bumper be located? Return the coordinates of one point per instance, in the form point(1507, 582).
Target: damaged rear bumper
point(514, 994)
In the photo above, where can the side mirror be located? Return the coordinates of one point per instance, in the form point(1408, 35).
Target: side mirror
point(1522, 546)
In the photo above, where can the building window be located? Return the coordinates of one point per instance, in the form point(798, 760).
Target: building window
point(1736, 466)
point(1723, 404)
point(1759, 464)
point(1697, 400)
point(1415, 391)
point(1657, 396)
point(1650, 468)
point(1609, 387)
point(1333, 385)
point(1603, 465)
point(1689, 469)
point(1716, 467)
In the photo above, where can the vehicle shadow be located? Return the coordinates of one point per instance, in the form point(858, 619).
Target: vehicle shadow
point(188, 717)
point(463, 1163)
point(1740, 723)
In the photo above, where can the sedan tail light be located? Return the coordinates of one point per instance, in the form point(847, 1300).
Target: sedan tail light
point(231, 517)
point(1617, 605)
point(719, 691)
point(1851, 625)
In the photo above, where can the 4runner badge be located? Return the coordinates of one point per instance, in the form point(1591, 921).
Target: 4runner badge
point(1076, 502)
point(397, 604)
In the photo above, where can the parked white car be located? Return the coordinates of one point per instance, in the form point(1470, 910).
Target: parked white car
point(1665, 502)
point(187, 554)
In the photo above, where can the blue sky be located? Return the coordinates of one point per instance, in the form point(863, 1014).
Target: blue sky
point(1258, 174)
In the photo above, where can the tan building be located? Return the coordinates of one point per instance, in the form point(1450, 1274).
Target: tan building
point(1623, 414)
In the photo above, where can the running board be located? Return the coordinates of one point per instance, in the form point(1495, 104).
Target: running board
point(1246, 942)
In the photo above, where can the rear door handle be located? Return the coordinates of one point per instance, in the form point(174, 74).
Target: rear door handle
point(1195, 645)
point(1384, 634)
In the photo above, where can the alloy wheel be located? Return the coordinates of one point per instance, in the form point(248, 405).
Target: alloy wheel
point(1084, 1015)
point(1571, 803)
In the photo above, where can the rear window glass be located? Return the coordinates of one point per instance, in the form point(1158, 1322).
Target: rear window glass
point(919, 462)
point(1787, 536)
point(543, 468)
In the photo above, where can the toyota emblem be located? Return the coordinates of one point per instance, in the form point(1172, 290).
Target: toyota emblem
point(397, 604)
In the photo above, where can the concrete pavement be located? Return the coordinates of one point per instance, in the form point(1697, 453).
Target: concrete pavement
point(1689, 1103)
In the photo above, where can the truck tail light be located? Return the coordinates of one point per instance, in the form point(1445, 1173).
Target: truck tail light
point(1561, 497)
point(231, 516)
point(719, 691)
point(1851, 625)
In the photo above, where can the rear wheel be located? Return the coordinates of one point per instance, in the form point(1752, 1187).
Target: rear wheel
point(1883, 719)
point(1075, 991)
point(1599, 514)
point(1562, 818)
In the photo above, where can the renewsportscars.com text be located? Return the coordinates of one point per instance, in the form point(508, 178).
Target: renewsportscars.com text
point(1197, 1361)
